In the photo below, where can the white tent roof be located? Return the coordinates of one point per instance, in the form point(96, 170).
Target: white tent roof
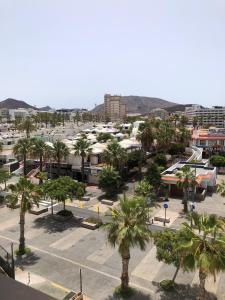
point(98, 148)
point(129, 143)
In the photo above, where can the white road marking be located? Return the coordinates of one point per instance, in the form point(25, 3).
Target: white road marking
point(101, 255)
point(70, 239)
point(148, 267)
point(80, 265)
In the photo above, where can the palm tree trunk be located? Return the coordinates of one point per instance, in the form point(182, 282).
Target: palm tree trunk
point(24, 166)
point(22, 238)
point(51, 206)
point(175, 274)
point(82, 167)
point(41, 169)
point(58, 168)
point(185, 201)
point(202, 278)
point(125, 275)
point(64, 204)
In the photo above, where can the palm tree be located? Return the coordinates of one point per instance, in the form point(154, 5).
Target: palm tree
point(128, 229)
point(175, 118)
point(26, 125)
point(186, 180)
point(27, 194)
point(77, 118)
point(221, 188)
point(82, 148)
point(59, 151)
point(39, 150)
point(22, 148)
point(4, 176)
point(206, 247)
point(115, 156)
point(146, 135)
point(165, 135)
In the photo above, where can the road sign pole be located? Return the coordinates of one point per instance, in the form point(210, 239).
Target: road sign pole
point(165, 205)
point(81, 287)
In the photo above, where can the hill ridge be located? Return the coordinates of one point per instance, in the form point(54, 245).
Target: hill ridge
point(140, 104)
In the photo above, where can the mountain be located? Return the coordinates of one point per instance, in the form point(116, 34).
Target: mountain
point(139, 104)
point(14, 104)
point(45, 108)
point(177, 107)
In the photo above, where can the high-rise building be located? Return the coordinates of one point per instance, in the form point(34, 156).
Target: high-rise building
point(214, 116)
point(115, 110)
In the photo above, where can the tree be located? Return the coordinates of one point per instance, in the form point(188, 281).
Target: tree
point(104, 137)
point(145, 189)
point(221, 188)
point(195, 121)
point(146, 135)
point(183, 136)
point(206, 247)
point(115, 156)
point(134, 158)
point(109, 180)
point(82, 148)
point(39, 150)
point(127, 229)
point(165, 135)
point(63, 188)
point(167, 250)
point(153, 175)
point(1, 146)
point(183, 120)
point(59, 151)
point(77, 118)
point(176, 149)
point(186, 181)
point(4, 176)
point(27, 194)
point(160, 159)
point(217, 161)
point(23, 148)
point(26, 125)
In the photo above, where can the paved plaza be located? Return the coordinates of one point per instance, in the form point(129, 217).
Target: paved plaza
point(60, 250)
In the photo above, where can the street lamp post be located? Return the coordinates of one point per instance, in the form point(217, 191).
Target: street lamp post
point(165, 205)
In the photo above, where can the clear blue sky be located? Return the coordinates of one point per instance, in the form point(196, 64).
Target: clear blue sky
point(68, 53)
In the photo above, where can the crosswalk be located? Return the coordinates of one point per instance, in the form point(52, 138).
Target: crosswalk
point(48, 203)
point(146, 268)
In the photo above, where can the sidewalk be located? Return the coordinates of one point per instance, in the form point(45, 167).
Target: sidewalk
point(40, 283)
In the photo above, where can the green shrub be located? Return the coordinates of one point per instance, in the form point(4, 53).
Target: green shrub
point(2, 199)
point(167, 285)
point(134, 158)
point(217, 161)
point(124, 293)
point(26, 251)
point(160, 159)
point(64, 213)
point(109, 181)
point(176, 149)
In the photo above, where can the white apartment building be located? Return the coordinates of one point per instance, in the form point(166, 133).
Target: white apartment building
point(214, 116)
point(115, 110)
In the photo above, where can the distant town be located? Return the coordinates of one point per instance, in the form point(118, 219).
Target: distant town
point(112, 202)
